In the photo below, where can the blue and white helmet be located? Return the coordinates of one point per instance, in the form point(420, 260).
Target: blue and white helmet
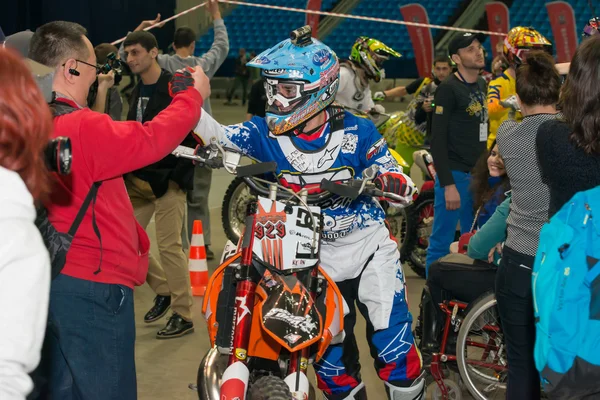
point(301, 79)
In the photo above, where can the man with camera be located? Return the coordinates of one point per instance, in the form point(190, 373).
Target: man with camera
point(104, 95)
point(91, 331)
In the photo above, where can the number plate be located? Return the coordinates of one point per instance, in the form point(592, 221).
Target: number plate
point(285, 240)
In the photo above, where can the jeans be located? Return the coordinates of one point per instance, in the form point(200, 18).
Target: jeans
point(444, 222)
point(90, 341)
point(515, 305)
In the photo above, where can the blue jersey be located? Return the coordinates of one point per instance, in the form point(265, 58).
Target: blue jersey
point(336, 155)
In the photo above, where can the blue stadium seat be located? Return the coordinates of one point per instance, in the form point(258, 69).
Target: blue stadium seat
point(255, 28)
point(533, 13)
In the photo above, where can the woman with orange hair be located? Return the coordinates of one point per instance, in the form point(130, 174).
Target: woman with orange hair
point(25, 128)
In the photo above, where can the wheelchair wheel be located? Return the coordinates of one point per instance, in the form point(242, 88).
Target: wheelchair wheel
point(480, 350)
point(454, 392)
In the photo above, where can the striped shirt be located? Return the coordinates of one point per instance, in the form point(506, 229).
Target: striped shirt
point(530, 196)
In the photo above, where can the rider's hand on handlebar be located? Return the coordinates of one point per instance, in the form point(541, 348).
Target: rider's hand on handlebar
point(377, 109)
point(393, 182)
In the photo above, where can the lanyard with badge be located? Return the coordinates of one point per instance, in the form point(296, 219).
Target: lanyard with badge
point(483, 123)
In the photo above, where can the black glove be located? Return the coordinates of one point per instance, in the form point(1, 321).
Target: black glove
point(181, 80)
point(393, 182)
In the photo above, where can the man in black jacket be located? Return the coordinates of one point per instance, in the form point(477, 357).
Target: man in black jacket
point(159, 190)
point(459, 134)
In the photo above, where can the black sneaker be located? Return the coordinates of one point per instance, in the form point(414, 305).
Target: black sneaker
point(209, 254)
point(176, 327)
point(159, 309)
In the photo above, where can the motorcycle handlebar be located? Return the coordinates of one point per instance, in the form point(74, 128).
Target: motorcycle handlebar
point(264, 191)
point(352, 189)
point(256, 169)
point(191, 154)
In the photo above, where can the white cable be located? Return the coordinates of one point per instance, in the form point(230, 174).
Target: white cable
point(324, 13)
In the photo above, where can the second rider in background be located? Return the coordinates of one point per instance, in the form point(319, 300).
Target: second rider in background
point(502, 100)
point(365, 65)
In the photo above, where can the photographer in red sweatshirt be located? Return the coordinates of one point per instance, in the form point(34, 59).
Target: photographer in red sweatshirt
point(91, 328)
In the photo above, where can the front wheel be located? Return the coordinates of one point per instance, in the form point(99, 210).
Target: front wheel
point(397, 222)
point(270, 388)
point(233, 210)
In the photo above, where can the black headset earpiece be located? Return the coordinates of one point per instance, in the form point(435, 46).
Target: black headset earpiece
point(74, 72)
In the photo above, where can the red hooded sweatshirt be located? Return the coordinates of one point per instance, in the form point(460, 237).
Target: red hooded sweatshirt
point(105, 150)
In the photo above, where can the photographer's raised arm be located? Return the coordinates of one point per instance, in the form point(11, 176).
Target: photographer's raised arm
point(116, 148)
point(244, 137)
point(105, 82)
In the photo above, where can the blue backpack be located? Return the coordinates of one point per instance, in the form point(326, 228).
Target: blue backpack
point(566, 299)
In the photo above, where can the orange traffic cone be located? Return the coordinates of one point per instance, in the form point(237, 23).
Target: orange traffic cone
point(197, 261)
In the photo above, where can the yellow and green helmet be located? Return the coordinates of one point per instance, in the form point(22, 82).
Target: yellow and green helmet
point(371, 53)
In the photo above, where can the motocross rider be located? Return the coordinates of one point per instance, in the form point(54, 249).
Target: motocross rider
point(311, 139)
point(501, 97)
point(365, 64)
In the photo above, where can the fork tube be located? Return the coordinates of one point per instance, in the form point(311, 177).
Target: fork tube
point(299, 361)
point(244, 294)
point(240, 334)
point(248, 239)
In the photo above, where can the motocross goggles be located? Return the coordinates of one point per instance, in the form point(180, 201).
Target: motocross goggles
point(520, 54)
point(284, 96)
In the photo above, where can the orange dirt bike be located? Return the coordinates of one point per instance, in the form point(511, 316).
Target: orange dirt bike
point(270, 308)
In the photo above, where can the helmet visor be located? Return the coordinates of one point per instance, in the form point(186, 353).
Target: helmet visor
point(380, 56)
point(284, 96)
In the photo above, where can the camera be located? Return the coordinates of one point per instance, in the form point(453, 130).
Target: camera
point(112, 63)
point(58, 155)
point(301, 36)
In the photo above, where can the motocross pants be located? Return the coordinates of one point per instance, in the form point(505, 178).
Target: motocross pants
point(397, 359)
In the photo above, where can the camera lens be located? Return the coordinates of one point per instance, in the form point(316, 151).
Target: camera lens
point(58, 155)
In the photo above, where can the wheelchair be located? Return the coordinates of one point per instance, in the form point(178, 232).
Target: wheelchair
point(471, 355)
